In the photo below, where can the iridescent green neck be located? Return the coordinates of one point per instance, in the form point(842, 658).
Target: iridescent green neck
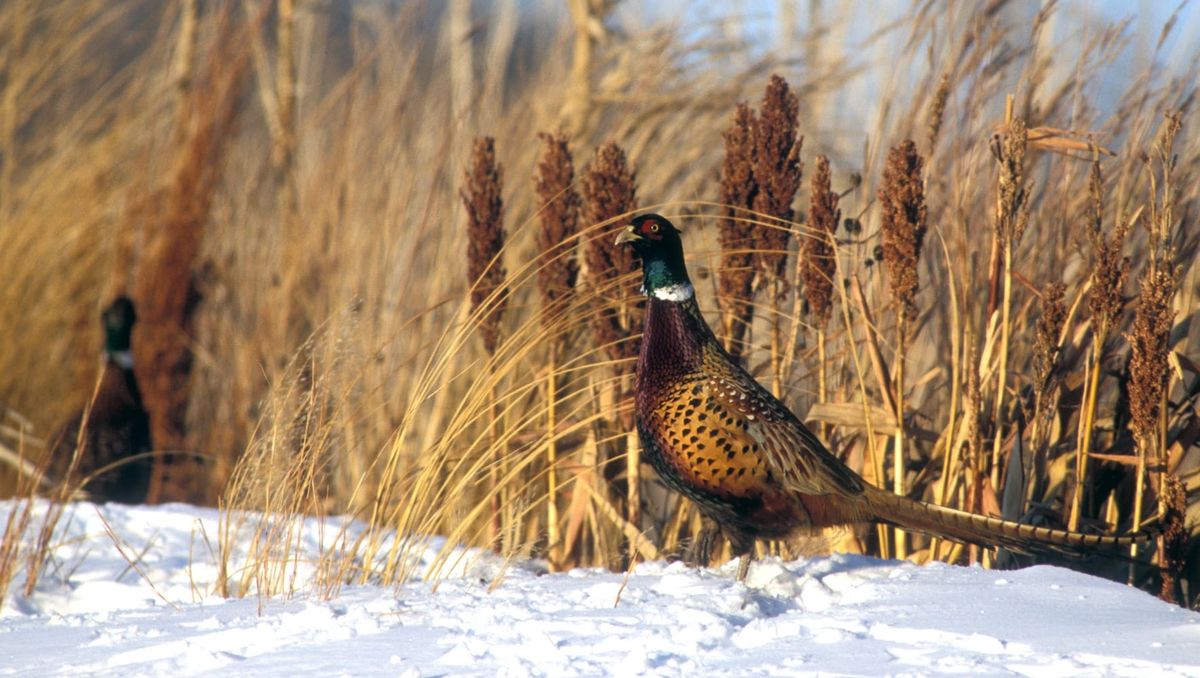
point(667, 280)
point(116, 338)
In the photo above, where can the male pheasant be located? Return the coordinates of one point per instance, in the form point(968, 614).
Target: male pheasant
point(115, 427)
point(715, 435)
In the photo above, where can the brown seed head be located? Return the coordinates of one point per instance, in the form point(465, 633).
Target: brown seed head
point(609, 190)
point(817, 262)
point(937, 111)
point(1049, 329)
point(1149, 343)
point(902, 198)
point(777, 171)
point(1172, 123)
point(1012, 207)
point(1162, 195)
point(736, 277)
point(1109, 268)
point(559, 216)
point(1095, 201)
point(485, 236)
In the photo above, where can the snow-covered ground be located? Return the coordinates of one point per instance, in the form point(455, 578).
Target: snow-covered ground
point(843, 615)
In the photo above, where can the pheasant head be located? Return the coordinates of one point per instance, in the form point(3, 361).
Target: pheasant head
point(656, 242)
point(118, 321)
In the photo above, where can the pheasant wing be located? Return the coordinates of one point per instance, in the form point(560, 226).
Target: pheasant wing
point(789, 450)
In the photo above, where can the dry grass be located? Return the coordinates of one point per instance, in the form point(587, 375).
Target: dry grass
point(335, 360)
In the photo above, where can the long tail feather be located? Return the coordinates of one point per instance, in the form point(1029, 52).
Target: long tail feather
point(948, 523)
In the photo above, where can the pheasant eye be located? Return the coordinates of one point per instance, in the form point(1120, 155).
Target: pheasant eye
point(654, 228)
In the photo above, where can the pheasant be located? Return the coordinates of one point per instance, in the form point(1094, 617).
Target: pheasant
point(719, 438)
point(115, 427)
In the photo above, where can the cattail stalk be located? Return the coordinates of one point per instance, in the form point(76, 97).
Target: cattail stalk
point(185, 51)
point(1048, 333)
point(285, 92)
point(816, 267)
point(461, 48)
point(609, 191)
point(902, 197)
point(1173, 542)
point(587, 16)
point(738, 189)
point(485, 275)
point(559, 216)
point(1109, 271)
point(937, 112)
point(1149, 373)
point(875, 459)
point(553, 536)
point(777, 172)
point(1150, 339)
point(1012, 216)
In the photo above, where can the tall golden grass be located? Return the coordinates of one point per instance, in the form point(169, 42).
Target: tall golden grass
point(337, 367)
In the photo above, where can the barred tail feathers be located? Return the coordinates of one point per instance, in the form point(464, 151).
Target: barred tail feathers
point(948, 523)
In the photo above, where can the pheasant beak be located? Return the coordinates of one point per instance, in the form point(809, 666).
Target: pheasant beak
point(629, 235)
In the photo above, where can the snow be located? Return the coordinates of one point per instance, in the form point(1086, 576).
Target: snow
point(841, 615)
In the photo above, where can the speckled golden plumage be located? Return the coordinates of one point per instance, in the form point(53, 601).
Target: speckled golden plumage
point(718, 437)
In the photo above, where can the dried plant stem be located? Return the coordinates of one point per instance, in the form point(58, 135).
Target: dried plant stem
point(285, 96)
point(1002, 371)
point(777, 347)
point(790, 348)
point(956, 371)
point(185, 52)
point(1140, 492)
point(586, 18)
point(462, 63)
point(822, 381)
point(553, 536)
point(875, 458)
point(1138, 502)
point(633, 457)
point(903, 226)
point(1086, 423)
point(898, 486)
point(496, 471)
